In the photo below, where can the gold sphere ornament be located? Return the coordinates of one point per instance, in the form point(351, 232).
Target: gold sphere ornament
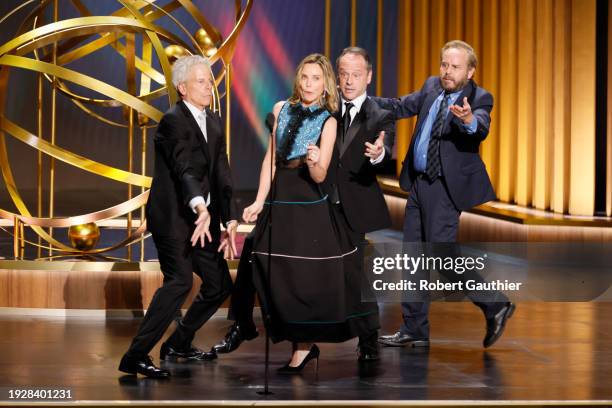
point(205, 42)
point(174, 52)
point(84, 236)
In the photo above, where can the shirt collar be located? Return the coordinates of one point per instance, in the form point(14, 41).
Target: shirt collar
point(194, 111)
point(357, 102)
point(453, 96)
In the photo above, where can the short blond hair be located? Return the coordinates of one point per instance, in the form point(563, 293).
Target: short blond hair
point(329, 98)
point(472, 59)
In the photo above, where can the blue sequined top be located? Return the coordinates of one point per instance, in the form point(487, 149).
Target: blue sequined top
point(298, 127)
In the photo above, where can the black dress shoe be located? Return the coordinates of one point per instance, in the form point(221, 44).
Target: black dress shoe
point(168, 352)
point(234, 337)
point(400, 340)
point(142, 366)
point(496, 324)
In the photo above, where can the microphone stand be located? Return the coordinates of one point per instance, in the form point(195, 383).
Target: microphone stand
point(270, 125)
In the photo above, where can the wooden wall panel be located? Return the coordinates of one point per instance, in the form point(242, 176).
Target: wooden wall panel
point(473, 26)
point(489, 69)
point(480, 228)
point(582, 133)
point(506, 100)
point(562, 105)
point(405, 75)
point(526, 103)
point(438, 33)
point(544, 104)
point(90, 289)
point(422, 42)
point(454, 19)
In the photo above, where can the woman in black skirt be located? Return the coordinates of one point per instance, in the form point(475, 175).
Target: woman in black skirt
point(300, 274)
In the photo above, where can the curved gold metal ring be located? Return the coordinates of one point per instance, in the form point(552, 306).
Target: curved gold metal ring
point(129, 19)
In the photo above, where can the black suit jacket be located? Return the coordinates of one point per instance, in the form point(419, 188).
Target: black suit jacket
point(465, 173)
point(351, 176)
point(186, 166)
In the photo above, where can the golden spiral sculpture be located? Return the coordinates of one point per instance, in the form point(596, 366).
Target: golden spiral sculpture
point(48, 47)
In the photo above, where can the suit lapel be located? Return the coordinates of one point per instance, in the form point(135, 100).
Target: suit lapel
point(338, 116)
point(213, 135)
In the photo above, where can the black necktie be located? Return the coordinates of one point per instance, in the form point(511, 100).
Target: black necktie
point(433, 149)
point(346, 119)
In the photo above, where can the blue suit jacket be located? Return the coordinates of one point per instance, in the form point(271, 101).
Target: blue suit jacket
point(462, 168)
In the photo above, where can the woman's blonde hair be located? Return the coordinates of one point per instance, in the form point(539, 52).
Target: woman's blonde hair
point(329, 98)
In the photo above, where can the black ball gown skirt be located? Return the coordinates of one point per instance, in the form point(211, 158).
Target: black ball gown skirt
point(306, 286)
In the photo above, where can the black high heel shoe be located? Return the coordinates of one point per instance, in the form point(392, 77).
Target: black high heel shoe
point(312, 354)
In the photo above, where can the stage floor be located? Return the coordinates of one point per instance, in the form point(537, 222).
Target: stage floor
point(549, 352)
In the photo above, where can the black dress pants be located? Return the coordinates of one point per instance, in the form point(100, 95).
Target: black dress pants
point(361, 285)
point(431, 216)
point(178, 261)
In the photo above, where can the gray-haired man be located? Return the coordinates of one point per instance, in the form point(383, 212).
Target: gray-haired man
point(190, 196)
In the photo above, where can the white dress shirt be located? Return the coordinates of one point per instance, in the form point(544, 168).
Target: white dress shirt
point(200, 117)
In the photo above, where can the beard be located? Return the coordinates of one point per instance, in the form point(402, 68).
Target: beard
point(454, 86)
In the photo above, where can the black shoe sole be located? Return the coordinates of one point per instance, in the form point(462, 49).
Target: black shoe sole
point(413, 344)
point(135, 373)
point(173, 358)
point(203, 359)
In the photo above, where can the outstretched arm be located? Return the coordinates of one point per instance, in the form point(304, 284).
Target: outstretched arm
point(266, 174)
point(405, 106)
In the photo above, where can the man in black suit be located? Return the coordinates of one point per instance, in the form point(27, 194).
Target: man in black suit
point(445, 175)
point(190, 196)
point(364, 141)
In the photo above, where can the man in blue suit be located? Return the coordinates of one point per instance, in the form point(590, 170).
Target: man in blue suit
point(445, 175)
